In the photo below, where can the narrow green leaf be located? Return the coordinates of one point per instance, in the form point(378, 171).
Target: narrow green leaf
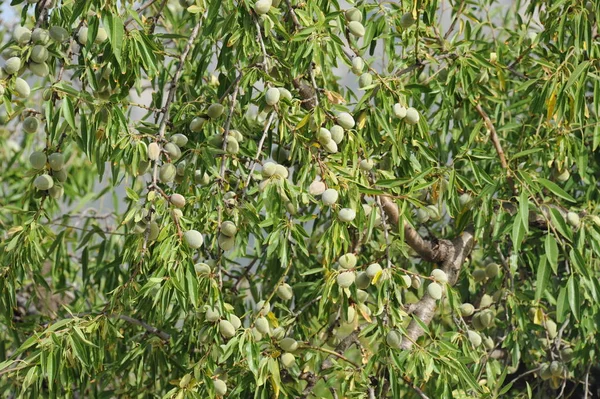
point(116, 34)
point(551, 251)
point(554, 188)
point(543, 275)
point(574, 298)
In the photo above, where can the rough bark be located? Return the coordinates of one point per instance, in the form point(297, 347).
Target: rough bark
point(449, 254)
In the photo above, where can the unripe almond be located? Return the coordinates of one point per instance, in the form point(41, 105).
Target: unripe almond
point(40, 70)
point(262, 325)
point(345, 120)
point(40, 36)
point(43, 182)
point(464, 199)
point(226, 329)
point(173, 150)
point(399, 111)
point(228, 228)
point(563, 176)
point(285, 93)
point(573, 219)
point(329, 197)
point(60, 175)
point(337, 133)
point(215, 110)
point(415, 282)
point(56, 161)
point(167, 173)
point(197, 124)
point(366, 164)
point(278, 333)
point(220, 387)
point(356, 28)
point(353, 14)
point(488, 342)
point(486, 301)
point(193, 239)
point(347, 261)
point(235, 321)
point(486, 317)
point(101, 36)
point(281, 171)
point(82, 35)
point(345, 279)
point(492, 270)
point(261, 7)
point(39, 54)
point(366, 79)
point(317, 187)
point(288, 344)
point(407, 280)
point(479, 275)
point(323, 136)
point(285, 292)
point(201, 178)
point(22, 35)
point(226, 243)
point(272, 96)
point(357, 65)
point(373, 270)
point(422, 215)
point(551, 328)
point(31, 124)
point(288, 360)
point(179, 140)
point(185, 380)
point(154, 231)
point(181, 168)
point(407, 20)
point(412, 116)
point(212, 315)
point(545, 373)
point(263, 307)
point(22, 88)
point(331, 147)
point(346, 215)
point(268, 169)
point(474, 337)
point(435, 291)
point(12, 65)
point(178, 200)
point(466, 309)
point(361, 296)
point(393, 339)
point(153, 151)
point(233, 147)
point(58, 34)
point(362, 281)
point(439, 276)
point(38, 160)
point(202, 269)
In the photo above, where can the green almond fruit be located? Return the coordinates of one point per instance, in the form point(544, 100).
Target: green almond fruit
point(346, 279)
point(567, 354)
point(563, 176)
point(486, 301)
point(233, 147)
point(353, 14)
point(551, 327)
point(12, 65)
point(356, 28)
point(60, 175)
point(362, 281)
point(226, 243)
point(285, 292)
point(439, 275)
point(58, 34)
point(476, 322)
point(435, 291)
point(179, 139)
point(486, 317)
point(358, 65)
point(197, 124)
point(407, 20)
point(366, 164)
point(226, 329)
point(193, 238)
point(101, 36)
point(345, 120)
point(288, 344)
point(545, 373)
point(422, 215)
point(285, 93)
point(323, 136)
point(235, 321)
point(556, 369)
point(366, 79)
point(177, 200)
point(268, 169)
point(474, 337)
point(39, 54)
point(262, 325)
point(56, 191)
point(40, 36)
point(201, 178)
point(22, 88)
point(167, 173)
point(362, 296)
point(228, 228)
point(256, 334)
point(173, 151)
point(38, 160)
point(373, 270)
point(573, 219)
point(202, 269)
point(185, 380)
point(56, 161)
point(329, 197)
point(479, 275)
point(464, 200)
point(393, 339)
point(261, 7)
point(42, 70)
point(153, 151)
point(263, 307)
point(22, 35)
point(337, 133)
point(272, 96)
point(399, 111)
point(220, 387)
point(412, 116)
point(31, 124)
point(154, 231)
point(215, 110)
point(181, 168)
point(212, 315)
point(346, 215)
point(281, 171)
point(466, 309)
point(288, 360)
point(347, 261)
point(82, 35)
point(492, 270)
point(278, 333)
point(415, 282)
point(407, 280)
point(43, 182)
point(488, 342)
point(331, 147)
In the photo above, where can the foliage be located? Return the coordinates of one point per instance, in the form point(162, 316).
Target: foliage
point(470, 145)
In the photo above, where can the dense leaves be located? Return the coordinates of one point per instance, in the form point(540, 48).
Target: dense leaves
point(205, 198)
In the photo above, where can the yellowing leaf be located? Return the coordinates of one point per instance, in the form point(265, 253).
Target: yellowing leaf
point(334, 98)
point(551, 103)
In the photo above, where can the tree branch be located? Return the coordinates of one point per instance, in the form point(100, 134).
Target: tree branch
point(151, 329)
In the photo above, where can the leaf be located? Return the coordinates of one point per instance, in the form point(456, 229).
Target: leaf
point(574, 298)
point(543, 275)
point(551, 251)
point(554, 188)
point(68, 111)
point(116, 32)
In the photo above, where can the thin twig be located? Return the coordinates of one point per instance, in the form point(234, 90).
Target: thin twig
point(329, 352)
point(151, 329)
point(227, 126)
point(415, 388)
point(259, 149)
